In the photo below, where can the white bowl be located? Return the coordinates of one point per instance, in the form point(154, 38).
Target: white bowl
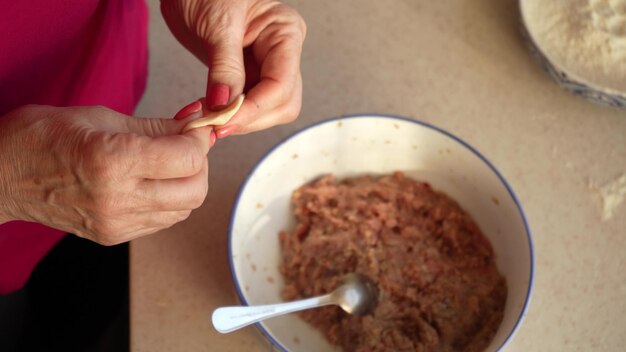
point(371, 144)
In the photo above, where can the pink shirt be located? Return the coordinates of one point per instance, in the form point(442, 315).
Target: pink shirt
point(63, 53)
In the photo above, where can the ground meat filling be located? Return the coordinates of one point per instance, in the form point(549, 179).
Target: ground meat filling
point(439, 289)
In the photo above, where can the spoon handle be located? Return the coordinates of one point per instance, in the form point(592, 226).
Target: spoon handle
point(227, 319)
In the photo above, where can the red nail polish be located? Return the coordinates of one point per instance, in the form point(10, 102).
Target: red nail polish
point(218, 95)
point(213, 138)
point(188, 110)
point(226, 131)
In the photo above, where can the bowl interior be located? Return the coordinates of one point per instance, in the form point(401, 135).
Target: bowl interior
point(370, 145)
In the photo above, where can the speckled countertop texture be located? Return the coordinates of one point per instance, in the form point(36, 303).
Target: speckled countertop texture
point(460, 65)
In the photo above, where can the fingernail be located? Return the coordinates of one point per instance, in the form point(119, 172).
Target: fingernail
point(218, 96)
point(226, 131)
point(188, 110)
point(213, 138)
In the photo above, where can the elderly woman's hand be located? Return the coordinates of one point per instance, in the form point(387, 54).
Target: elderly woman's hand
point(250, 46)
point(100, 174)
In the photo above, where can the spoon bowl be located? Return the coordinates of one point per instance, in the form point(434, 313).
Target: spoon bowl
point(357, 295)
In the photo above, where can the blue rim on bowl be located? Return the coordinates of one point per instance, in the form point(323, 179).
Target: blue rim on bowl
point(424, 124)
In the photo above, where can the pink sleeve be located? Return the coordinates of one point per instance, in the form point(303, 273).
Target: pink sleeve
point(64, 53)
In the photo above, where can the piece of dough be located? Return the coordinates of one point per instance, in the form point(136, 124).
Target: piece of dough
point(216, 118)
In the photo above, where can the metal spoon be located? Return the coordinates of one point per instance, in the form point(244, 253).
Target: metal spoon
point(356, 295)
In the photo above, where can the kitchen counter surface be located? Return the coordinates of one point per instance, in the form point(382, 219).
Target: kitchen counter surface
point(460, 65)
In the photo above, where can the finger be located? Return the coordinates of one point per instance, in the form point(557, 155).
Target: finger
point(153, 148)
point(263, 108)
point(226, 67)
point(174, 194)
point(266, 104)
point(152, 126)
point(191, 109)
point(281, 114)
point(279, 50)
point(107, 120)
point(169, 157)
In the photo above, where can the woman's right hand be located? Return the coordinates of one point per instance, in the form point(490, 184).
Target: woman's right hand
point(100, 174)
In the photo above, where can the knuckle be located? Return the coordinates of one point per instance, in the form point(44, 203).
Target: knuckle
point(149, 126)
point(291, 111)
point(302, 25)
point(193, 161)
point(102, 161)
point(179, 216)
point(198, 197)
point(94, 155)
point(184, 215)
point(285, 9)
point(290, 118)
point(139, 154)
point(225, 65)
point(294, 18)
point(298, 22)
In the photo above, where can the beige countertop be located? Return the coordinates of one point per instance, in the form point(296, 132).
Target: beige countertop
point(460, 65)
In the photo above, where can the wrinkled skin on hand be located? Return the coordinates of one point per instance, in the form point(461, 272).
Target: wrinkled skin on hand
point(100, 174)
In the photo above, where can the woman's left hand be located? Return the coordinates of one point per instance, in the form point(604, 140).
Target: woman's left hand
point(250, 46)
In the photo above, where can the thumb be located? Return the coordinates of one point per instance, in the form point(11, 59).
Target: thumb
point(226, 70)
point(169, 131)
point(153, 127)
point(161, 130)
